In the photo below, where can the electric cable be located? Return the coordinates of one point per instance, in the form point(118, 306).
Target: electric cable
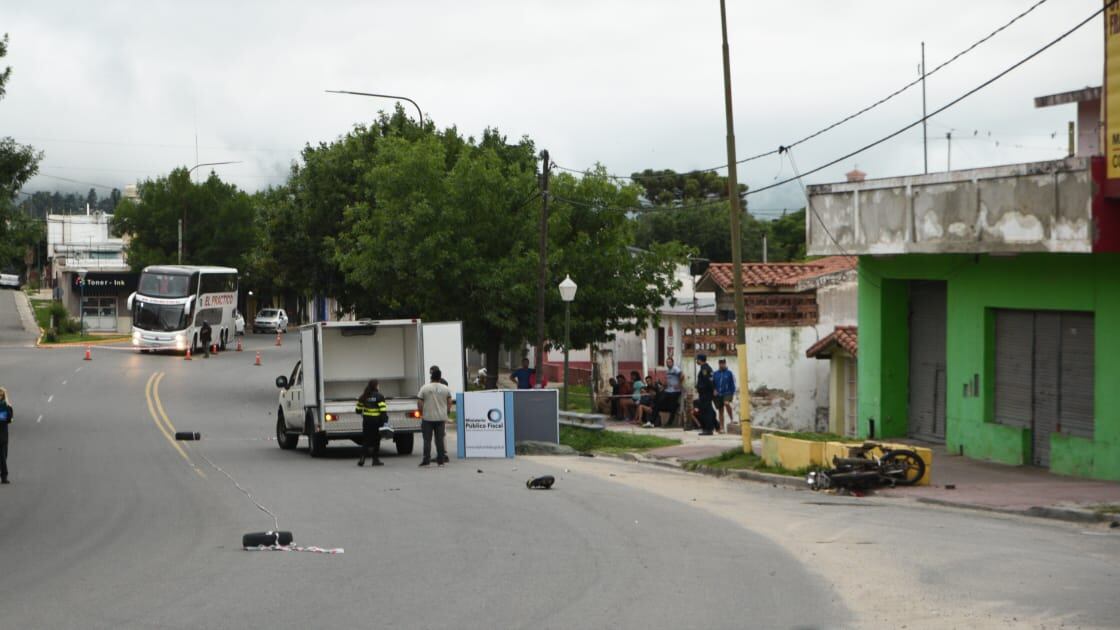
point(944, 107)
point(866, 109)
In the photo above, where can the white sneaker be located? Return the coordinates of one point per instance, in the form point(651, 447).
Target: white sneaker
point(648, 425)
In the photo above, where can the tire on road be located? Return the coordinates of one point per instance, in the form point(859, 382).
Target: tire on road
point(286, 440)
point(316, 441)
point(404, 443)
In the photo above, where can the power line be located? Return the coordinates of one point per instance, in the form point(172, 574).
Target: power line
point(75, 181)
point(836, 124)
point(812, 211)
point(940, 109)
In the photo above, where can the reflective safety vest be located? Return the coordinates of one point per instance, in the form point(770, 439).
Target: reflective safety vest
point(373, 407)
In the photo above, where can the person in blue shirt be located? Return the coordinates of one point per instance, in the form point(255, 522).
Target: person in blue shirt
point(6, 415)
point(725, 392)
point(522, 377)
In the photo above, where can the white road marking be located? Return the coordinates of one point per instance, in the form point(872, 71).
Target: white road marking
point(50, 398)
point(39, 419)
point(65, 382)
point(77, 370)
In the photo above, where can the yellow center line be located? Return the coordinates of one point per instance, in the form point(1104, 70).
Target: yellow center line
point(151, 392)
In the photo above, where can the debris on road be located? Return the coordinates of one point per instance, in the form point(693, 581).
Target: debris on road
point(540, 483)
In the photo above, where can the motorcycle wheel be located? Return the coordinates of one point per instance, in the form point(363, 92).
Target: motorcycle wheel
point(905, 468)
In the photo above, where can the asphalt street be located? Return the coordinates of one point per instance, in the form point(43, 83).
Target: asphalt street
point(108, 525)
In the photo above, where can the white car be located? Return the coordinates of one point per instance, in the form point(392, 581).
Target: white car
point(238, 323)
point(9, 280)
point(271, 320)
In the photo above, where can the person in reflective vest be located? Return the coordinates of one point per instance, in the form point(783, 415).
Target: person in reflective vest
point(375, 415)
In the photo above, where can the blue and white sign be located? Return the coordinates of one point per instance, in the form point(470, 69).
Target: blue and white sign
point(485, 424)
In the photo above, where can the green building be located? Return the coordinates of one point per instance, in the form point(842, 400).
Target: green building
point(989, 310)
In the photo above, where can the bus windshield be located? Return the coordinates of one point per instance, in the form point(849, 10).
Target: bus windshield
point(159, 317)
point(165, 285)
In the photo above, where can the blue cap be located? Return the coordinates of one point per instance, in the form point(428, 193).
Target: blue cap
point(701, 357)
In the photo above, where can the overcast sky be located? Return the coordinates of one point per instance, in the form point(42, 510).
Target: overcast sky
point(115, 91)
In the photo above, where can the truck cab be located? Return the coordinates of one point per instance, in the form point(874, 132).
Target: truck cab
point(318, 397)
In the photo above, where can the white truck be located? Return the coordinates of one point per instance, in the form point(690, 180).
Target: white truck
point(337, 359)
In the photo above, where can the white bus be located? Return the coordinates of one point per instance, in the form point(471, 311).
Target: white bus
point(172, 301)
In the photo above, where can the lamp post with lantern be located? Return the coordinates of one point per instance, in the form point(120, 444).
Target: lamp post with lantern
point(568, 294)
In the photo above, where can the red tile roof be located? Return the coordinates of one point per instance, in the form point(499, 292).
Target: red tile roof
point(778, 274)
point(844, 337)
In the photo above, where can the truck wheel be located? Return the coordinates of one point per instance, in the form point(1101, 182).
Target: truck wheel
point(316, 442)
point(287, 441)
point(404, 443)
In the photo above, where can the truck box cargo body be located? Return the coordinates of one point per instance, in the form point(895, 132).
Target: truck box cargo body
point(337, 359)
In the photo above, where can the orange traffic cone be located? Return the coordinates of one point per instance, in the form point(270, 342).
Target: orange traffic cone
point(188, 356)
point(214, 348)
point(277, 338)
point(239, 344)
point(258, 362)
point(88, 356)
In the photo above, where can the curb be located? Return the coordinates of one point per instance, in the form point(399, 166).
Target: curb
point(1072, 515)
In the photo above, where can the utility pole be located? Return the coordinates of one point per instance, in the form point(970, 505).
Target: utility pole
point(542, 267)
point(764, 252)
point(180, 241)
point(925, 139)
point(736, 241)
point(948, 151)
point(1072, 150)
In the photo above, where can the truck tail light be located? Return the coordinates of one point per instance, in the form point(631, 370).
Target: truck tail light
point(414, 414)
point(331, 417)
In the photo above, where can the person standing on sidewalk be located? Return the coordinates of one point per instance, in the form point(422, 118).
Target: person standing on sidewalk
point(671, 400)
point(6, 415)
point(725, 393)
point(705, 392)
point(435, 399)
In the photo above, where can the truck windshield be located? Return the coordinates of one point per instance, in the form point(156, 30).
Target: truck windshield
point(158, 317)
point(165, 285)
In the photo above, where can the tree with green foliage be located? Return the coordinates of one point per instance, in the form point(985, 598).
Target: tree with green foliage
point(18, 163)
point(669, 188)
point(446, 228)
point(218, 228)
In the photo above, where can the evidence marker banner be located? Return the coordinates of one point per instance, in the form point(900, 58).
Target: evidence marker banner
point(485, 424)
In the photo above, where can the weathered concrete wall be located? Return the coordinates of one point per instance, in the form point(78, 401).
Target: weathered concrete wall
point(1035, 207)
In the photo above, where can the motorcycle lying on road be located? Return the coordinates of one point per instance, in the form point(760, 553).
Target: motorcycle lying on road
point(862, 470)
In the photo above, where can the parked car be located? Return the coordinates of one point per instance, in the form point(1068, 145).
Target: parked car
point(271, 320)
point(9, 280)
point(238, 323)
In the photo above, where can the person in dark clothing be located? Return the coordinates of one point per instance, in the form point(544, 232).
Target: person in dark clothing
point(705, 392)
point(204, 335)
point(614, 396)
point(6, 415)
point(375, 413)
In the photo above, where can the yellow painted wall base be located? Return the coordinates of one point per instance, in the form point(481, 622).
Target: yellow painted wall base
point(794, 454)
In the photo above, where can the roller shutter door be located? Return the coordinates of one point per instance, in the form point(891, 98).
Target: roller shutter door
point(927, 360)
point(1044, 375)
point(1076, 416)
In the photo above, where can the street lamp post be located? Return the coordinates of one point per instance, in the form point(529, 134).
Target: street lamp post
point(183, 221)
point(567, 293)
point(399, 98)
point(82, 302)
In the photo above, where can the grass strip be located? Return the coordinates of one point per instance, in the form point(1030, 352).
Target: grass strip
point(586, 440)
point(736, 459)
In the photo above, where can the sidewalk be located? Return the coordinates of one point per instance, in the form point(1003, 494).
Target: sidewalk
point(957, 481)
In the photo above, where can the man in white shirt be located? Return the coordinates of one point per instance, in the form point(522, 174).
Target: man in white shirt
point(435, 399)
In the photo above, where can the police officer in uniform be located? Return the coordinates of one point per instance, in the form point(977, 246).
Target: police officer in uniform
point(375, 415)
point(705, 390)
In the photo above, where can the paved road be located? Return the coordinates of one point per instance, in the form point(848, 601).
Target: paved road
point(107, 525)
point(12, 332)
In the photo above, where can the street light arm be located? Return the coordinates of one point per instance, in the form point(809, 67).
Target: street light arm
point(191, 169)
point(399, 98)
